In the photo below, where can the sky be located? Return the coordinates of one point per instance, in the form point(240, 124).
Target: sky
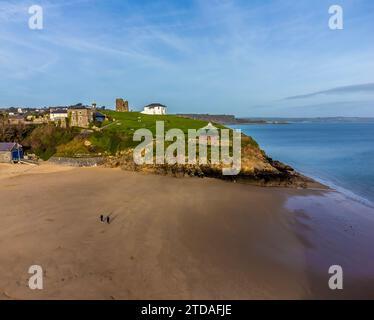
point(251, 58)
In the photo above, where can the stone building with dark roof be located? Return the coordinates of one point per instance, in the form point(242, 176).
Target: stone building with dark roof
point(155, 108)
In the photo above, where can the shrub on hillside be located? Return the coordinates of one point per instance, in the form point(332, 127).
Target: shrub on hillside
point(14, 133)
point(43, 140)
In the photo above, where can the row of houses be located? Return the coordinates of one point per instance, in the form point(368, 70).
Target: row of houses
point(77, 116)
point(82, 116)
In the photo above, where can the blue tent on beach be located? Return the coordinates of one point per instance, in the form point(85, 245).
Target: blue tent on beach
point(10, 152)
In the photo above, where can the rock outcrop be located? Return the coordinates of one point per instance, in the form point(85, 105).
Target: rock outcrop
point(256, 168)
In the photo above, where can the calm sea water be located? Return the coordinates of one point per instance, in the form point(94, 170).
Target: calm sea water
point(338, 154)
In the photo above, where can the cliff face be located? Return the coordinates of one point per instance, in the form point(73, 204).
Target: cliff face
point(256, 168)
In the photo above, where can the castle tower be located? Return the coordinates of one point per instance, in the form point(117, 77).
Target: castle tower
point(122, 105)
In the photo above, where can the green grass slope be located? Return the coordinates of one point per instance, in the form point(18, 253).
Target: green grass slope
point(130, 121)
point(116, 133)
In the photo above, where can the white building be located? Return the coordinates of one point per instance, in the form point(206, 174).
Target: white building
point(155, 108)
point(59, 114)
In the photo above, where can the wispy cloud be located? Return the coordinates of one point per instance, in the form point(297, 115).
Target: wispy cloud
point(194, 55)
point(10, 11)
point(17, 9)
point(357, 88)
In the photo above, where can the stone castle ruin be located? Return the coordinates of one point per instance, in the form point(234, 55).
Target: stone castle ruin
point(122, 105)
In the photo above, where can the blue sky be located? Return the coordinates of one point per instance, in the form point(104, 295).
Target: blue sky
point(249, 58)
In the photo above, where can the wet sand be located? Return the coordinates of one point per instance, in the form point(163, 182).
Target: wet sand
point(173, 238)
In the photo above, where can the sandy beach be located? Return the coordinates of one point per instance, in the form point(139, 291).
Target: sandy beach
point(176, 238)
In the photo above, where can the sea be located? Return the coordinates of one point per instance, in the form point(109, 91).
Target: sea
point(336, 152)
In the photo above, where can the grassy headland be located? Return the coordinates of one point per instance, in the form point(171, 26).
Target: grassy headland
point(113, 140)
